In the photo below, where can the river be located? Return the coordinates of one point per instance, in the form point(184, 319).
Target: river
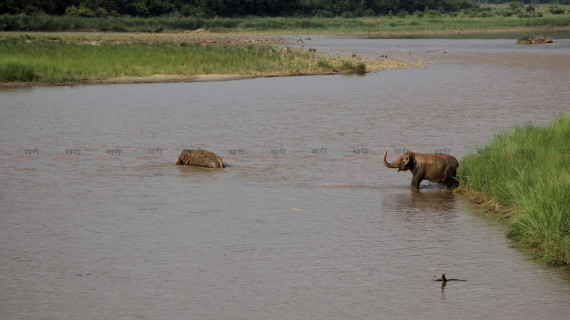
point(306, 223)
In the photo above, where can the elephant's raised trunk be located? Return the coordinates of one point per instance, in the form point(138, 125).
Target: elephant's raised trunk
point(386, 163)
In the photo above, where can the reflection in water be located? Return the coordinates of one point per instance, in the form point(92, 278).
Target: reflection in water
point(431, 205)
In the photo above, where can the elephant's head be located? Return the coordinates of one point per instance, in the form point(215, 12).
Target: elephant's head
point(403, 163)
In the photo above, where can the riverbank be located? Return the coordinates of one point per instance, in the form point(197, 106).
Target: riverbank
point(84, 58)
point(472, 20)
point(524, 174)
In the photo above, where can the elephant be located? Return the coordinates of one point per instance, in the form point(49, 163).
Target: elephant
point(435, 167)
point(200, 158)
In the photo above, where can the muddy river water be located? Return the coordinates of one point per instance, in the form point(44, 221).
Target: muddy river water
point(96, 221)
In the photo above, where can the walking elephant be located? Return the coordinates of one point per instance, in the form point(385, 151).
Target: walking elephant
point(200, 158)
point(435, 167)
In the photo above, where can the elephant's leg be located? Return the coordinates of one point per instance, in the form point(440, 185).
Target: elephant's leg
point(451, 183)
point(416, 180)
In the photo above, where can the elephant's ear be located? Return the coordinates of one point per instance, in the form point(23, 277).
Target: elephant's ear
point(409, 160)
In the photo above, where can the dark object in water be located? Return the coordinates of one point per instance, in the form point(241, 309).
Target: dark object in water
point(200, 158)
point(444, 279)
point(528, 39)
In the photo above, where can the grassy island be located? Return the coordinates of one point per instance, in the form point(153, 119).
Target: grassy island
point(525, 172)
point(59, 58)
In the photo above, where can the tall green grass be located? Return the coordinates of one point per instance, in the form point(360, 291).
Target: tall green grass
point(53, 60)
point(47, 61)
point(528, 170)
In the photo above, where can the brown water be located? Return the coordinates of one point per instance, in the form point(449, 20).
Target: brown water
point(305, 224)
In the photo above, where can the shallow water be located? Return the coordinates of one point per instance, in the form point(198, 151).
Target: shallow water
point(306, 223)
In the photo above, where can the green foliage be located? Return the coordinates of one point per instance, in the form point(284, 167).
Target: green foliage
point(526, 37)
point(230, 8)
point(528, 168)
point(56, 60)
point(323, 14)
point(326, 65)
point(11, 71)
point(348, 66)
point(428, 22)
point(556, 10)
point(515, 6)
point(360, 68)
point(80, 12)
point(191, 16)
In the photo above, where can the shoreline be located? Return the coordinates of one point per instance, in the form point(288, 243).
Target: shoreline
point(454, 31)
point(530, 192)
point(488, 204)
point(157, 78)
point(206, 36)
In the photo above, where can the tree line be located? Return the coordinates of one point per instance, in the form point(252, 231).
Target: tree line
point(238, 8)
point(227, 8)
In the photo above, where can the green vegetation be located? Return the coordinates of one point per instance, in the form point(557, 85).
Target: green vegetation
point(54, 61)
point(380, 16)
point(227, 8)
point(527, 170)
point(526, 37)
point(71, 58)
point(390, 24)
point(529, 38)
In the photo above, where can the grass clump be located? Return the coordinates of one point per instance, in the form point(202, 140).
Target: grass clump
point(527, 170)
point(11, 71)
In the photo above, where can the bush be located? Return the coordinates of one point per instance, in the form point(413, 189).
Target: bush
point(324, 64)
point(526, 37)
point(515, 6)
point(360, 68)
point(369, 13)
point(101, 13)
point(432, 13)
point(348, 14)
point(80, 12)
point(11, 23)
point(556, 10)
point(531, 15)
point(323, 14)
point(347, 65)
point(192, 11)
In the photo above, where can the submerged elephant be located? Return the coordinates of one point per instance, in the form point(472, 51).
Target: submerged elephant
point(200, 158)
point(435, 167)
